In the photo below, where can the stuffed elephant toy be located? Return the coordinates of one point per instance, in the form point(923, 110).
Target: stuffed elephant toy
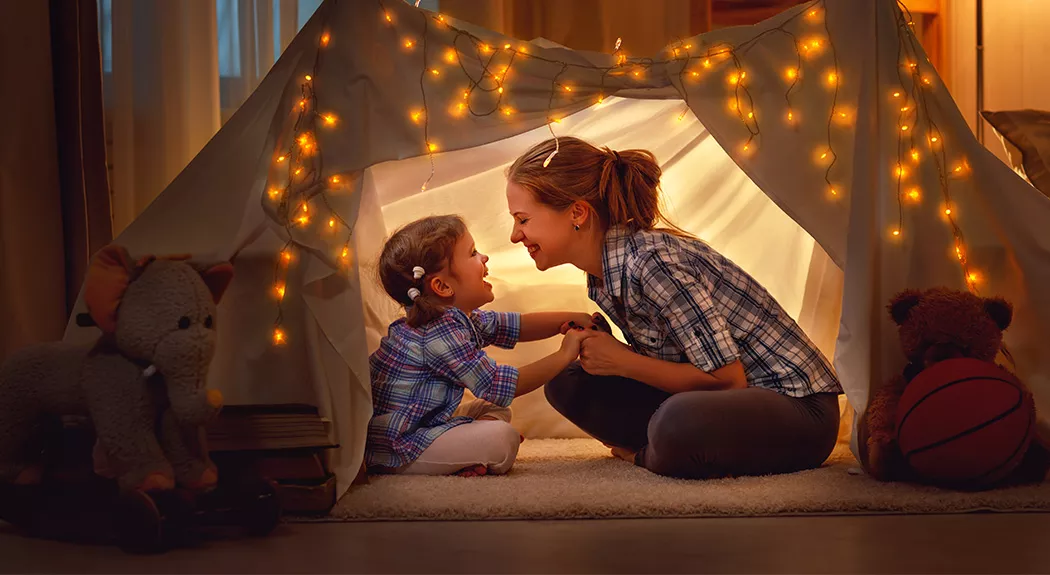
point(141, 383)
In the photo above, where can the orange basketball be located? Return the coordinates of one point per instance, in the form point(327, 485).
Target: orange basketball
point(964, 422)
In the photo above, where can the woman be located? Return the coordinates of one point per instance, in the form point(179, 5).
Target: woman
point(718, 380)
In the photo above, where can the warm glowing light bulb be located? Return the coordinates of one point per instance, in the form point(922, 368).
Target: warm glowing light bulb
point(298, 171)
point(506, 46)
point(896, 232)
point(791, 73)
point(450, 56)
point(696, 74)
point(914, 194)
point(346, 253)
point(282, 158)
point(933, 139)
point(274, 192)
point(485, 49)
point(335, 179)
point(824, 155)
point(432, 147)
point(416, 115)
point(734, 79)
point(329, 120)
point(896, 94)
point(388, 18)
point(833, 78)
point(302, 104)
point(409, 43)
point(947, 211)
point(834, 192)
point(279, 288)
point(303, 219)
point(435, 71)
point(309, 78)
point(904, 128)
point(286, 256)
point(750, 115)
point(278, 336)
point(325, 38)
point(567, 88)
point(973, 277)
point(791, 116)
point(500, 89)
point(707, 63)
point(915, 155)
point(331, 222)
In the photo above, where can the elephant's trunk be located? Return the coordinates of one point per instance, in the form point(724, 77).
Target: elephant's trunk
point(191, 402)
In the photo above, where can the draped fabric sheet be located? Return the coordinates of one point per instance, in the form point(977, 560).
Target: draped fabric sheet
point(368, 63)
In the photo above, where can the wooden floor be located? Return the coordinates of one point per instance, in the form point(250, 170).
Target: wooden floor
point(987, 543)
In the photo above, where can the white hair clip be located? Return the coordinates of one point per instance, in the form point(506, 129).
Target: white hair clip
point(418, 272)
point(413, 293)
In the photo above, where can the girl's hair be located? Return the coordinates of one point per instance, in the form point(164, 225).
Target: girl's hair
point(623, 188)
point(427, 243)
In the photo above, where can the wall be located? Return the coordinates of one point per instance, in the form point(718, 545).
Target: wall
point(1016, 57)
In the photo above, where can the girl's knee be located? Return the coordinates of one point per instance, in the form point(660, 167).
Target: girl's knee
point(502, 447)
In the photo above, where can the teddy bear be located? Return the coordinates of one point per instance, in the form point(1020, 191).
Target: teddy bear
point(935, 325)
point(141, 382)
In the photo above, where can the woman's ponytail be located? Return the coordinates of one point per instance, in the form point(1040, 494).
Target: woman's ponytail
point(623, 188)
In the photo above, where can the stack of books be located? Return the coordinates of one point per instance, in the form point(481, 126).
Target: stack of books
point(286, 443)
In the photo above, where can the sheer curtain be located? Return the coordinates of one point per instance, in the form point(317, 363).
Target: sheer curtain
point(173, 73)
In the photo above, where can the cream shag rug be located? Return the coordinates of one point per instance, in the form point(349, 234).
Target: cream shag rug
point(579, 479)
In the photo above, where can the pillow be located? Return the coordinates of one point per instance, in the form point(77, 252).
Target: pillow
point(1026, 136)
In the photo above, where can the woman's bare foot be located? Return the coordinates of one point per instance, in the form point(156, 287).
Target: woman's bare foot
point(623, 453)
point(475, 471)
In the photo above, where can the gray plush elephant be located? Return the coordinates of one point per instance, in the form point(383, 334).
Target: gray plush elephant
point(142, 383)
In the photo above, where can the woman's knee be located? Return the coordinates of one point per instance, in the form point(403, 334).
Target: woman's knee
point(563, 391)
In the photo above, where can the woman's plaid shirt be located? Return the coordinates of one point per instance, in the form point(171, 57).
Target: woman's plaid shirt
point(418, 376)
point(678, 300)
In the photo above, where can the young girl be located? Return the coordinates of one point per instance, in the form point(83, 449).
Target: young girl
point(418, 374)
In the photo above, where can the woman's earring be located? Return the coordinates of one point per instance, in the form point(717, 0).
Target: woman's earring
point(576, 227)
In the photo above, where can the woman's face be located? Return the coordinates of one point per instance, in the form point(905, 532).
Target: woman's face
point(547, 233)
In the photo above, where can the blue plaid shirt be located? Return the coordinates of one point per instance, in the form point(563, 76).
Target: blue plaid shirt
point(418, 376)
point(679, 300)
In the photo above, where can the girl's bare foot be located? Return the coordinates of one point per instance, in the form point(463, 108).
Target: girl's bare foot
point(475, 471)
point(624, 454)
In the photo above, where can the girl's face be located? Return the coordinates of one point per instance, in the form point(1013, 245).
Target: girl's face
point(467, 278)
point(547, 233)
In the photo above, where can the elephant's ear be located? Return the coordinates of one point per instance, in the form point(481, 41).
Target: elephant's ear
point(105, 283)
point(218, 278)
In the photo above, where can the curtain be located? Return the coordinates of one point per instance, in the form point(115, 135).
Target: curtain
point(645, 27)
point(54, 200)
point(175, 72)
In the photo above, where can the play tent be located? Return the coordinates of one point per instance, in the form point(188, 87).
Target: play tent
point(818, 149)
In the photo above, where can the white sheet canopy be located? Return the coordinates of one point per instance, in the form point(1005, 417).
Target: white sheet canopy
point(831, 259)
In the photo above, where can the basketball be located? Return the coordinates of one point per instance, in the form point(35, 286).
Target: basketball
point(964, 422)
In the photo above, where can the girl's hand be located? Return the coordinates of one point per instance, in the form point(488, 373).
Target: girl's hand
point(570, 344)
point(603, 354)
point(595, 322)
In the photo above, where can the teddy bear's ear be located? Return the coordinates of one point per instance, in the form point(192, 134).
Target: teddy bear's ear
point(105, 283)
point(1000, 310)
point(218, 278)
point(902, 303)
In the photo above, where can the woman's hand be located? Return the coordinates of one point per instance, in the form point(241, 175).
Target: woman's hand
point(603, 354)
point(595, 321)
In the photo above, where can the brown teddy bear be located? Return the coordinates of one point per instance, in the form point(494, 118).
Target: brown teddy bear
point(935, 325)
point(142, 382)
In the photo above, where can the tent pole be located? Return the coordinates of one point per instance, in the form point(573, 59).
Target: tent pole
point(980, 70)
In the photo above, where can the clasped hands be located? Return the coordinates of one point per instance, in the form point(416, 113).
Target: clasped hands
point(590, 338)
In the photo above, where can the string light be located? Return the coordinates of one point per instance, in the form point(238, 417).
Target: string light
point(278, 336)
point(325, 38)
